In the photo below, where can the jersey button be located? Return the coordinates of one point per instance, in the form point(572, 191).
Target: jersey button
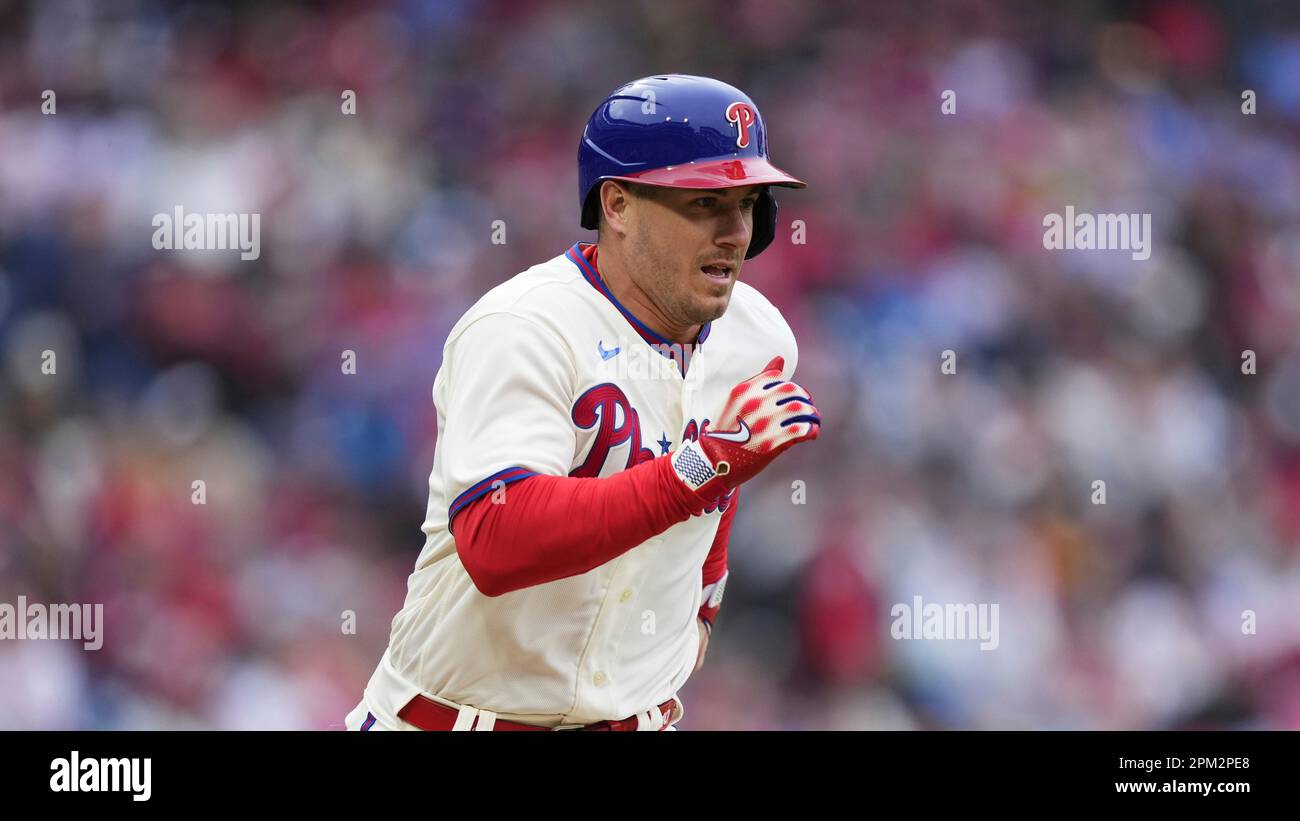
point(627, 594)
point(599, 679)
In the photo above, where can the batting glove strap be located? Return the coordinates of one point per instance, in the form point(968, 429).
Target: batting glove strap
point(693, 466)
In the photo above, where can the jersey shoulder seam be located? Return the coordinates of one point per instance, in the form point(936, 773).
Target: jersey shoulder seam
point(511, 312)
point(515, 299)
point(543, 284)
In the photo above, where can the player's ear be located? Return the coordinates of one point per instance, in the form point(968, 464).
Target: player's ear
point(614, 201)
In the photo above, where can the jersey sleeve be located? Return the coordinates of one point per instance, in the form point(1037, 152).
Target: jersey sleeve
point(505, 398)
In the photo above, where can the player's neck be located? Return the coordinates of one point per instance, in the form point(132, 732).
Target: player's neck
point(631, 296)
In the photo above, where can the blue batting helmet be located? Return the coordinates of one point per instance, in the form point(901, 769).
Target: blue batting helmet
point(680, 131)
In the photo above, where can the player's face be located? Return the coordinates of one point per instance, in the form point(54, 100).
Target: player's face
point(688, 246)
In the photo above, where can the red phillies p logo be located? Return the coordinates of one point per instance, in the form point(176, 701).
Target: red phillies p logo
point(742, 114)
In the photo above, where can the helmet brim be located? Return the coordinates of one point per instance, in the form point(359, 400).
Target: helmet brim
point(703, 174)
point(720, 173)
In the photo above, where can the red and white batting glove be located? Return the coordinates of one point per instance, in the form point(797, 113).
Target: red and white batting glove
point(764, 416)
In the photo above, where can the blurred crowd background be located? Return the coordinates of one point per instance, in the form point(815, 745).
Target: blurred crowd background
point(924, 235)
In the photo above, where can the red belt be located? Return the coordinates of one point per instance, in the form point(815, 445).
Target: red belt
point(428, 714)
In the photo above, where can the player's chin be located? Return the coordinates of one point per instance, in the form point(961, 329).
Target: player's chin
point(710, 308)
point(710, 295)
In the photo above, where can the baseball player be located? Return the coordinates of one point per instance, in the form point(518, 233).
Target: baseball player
point(597, 415)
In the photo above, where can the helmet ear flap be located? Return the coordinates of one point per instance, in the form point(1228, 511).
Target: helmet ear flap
point(764, 223)
point(591, 208)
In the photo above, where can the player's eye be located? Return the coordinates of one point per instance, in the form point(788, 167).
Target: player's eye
point(706, 202)
point(748, 203)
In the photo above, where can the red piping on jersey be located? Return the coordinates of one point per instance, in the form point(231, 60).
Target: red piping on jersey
point(478, 489)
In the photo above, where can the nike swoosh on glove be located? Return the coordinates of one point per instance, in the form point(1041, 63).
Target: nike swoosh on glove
point(764, 416)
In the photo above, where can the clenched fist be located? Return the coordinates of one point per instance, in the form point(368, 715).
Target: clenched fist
point(764, 416)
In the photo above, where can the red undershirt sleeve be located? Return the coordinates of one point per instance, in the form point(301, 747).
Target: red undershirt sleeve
point(714, 573)
point(543, 528)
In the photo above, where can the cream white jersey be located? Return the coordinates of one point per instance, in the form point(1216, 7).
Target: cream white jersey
point(549, 374)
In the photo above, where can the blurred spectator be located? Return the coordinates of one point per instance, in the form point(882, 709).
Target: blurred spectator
point(1174, 604)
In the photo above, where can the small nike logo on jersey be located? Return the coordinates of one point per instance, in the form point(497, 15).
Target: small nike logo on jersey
point(740, 437)
point(604, 354)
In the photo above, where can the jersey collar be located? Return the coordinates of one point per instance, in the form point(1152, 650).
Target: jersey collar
point(583, 255)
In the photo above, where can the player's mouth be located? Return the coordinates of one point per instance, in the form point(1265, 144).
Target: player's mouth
point(719, 272)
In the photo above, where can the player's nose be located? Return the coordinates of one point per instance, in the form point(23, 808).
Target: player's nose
point(735, 228)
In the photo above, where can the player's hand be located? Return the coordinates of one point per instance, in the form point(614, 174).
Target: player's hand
point(764, 417)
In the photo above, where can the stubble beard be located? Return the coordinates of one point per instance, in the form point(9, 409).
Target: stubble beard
point(671, 296)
